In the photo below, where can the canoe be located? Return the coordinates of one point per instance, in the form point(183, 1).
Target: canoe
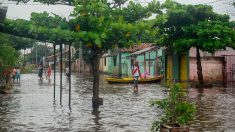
point(130, 79)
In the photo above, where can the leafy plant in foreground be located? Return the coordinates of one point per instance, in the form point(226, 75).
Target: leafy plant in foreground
point(176, 108)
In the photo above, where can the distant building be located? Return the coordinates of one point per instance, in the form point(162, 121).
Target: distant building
point(65, 56)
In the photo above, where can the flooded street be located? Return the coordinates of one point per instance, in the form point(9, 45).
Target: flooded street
point(215, 109)
point(31, 107)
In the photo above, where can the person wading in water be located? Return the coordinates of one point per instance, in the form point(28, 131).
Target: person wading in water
point(40, 72)
point(48, 72)
point(136, 74)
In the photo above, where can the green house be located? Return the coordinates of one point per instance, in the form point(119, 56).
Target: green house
point(150, 59)
point(109, 63)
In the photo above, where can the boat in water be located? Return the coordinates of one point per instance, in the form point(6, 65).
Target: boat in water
point(130, 79)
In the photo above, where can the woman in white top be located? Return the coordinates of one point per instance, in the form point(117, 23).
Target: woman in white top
point(136, 74)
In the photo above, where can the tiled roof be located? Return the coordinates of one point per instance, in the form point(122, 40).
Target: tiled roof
point(136, 47)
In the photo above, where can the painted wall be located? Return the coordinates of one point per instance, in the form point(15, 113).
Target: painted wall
point(230, 68)
point(125, 63)
point(111, 68)
point(169, 70)
point(184, 68)
point(150, 68)
point(211, 69)
point(177, 68)
point(103, 65)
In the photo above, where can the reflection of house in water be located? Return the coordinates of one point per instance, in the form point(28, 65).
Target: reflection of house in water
point(216, 67)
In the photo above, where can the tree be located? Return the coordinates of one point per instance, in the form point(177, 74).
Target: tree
point(40, 49)
point(197, 26)
point(94, 24)
point(8, 58)
point(109, 30)
point(17, 42)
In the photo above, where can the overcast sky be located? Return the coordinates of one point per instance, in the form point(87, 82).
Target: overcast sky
point(24, 10)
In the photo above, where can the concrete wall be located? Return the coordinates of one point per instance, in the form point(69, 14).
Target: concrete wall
point(230, 68)
point(126, 63)
point(104, 64)
point(211, 69)
point(146, 67)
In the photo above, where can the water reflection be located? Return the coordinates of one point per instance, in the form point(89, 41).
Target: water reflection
point(123, 109)
point(215, 109)
point(97, 119)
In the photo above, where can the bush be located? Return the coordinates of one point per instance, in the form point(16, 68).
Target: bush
point(27, 69)
point(177, 109)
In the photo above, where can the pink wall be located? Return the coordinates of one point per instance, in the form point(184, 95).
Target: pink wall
point(211, 69)
point(212, 65)
point(230, 67)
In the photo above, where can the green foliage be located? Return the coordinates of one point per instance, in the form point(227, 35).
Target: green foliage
point(135, 11)
point(8, 55)
point(27, 69)
point(41, 50)
point(17, 42)
point(8, 58)
point(110, 27)
point(45, 20)
point(198, 26)
point(176, 108)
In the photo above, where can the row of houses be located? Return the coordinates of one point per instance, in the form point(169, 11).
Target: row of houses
point(155, 61)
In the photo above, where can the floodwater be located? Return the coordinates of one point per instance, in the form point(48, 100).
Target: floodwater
point(31, 107)
point(215, 109)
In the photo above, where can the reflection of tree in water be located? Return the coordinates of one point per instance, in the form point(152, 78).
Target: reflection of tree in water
point(97, 118)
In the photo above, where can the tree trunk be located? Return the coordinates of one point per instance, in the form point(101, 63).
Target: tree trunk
point(96, 100)
point(199, 68)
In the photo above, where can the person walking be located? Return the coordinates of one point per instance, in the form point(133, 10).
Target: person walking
point(14, 74)
point(18, 74)
point(67, 72)
point(136, 74)
point(40, 72)
point(48, 72)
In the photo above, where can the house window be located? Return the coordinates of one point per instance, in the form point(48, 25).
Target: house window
point(115, 61)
